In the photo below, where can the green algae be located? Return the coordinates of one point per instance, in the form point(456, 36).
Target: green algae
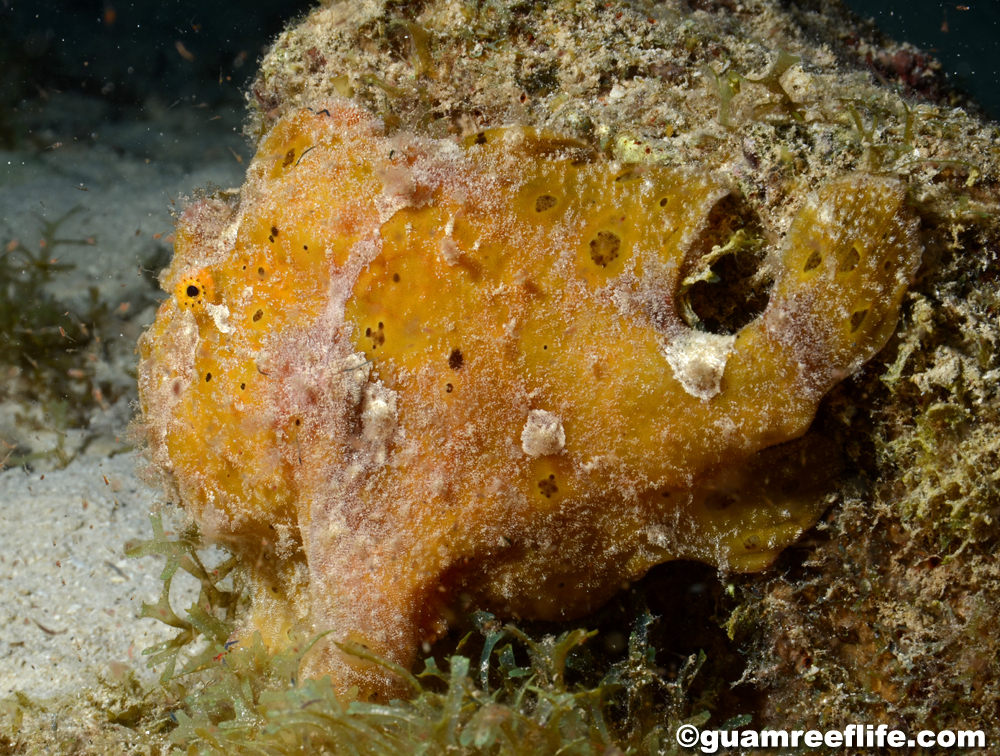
point(499, 691)
point(40, 334)
point(52, 348)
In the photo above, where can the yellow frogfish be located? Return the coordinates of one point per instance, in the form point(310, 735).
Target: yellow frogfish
point(396, 369)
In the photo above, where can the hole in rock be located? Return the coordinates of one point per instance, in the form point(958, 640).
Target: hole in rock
point(739, 289)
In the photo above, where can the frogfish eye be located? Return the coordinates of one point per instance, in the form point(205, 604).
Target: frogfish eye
point(195, 289)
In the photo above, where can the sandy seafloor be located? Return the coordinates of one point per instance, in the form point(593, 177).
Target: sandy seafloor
point(69, 597)
point(68, 594)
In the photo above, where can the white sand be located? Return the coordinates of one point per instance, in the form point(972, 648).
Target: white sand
point(68, 595)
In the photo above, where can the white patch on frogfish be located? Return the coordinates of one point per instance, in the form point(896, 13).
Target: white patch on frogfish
point(698, 360)
point(543, 434)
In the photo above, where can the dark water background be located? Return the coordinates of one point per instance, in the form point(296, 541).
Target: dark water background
point(964, 36)
point(126, 49)
point(132, 59)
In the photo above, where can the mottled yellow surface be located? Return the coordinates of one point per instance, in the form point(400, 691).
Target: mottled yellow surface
point(402, 368)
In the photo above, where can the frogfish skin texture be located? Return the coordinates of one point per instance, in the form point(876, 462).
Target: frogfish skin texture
point(396, 369)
